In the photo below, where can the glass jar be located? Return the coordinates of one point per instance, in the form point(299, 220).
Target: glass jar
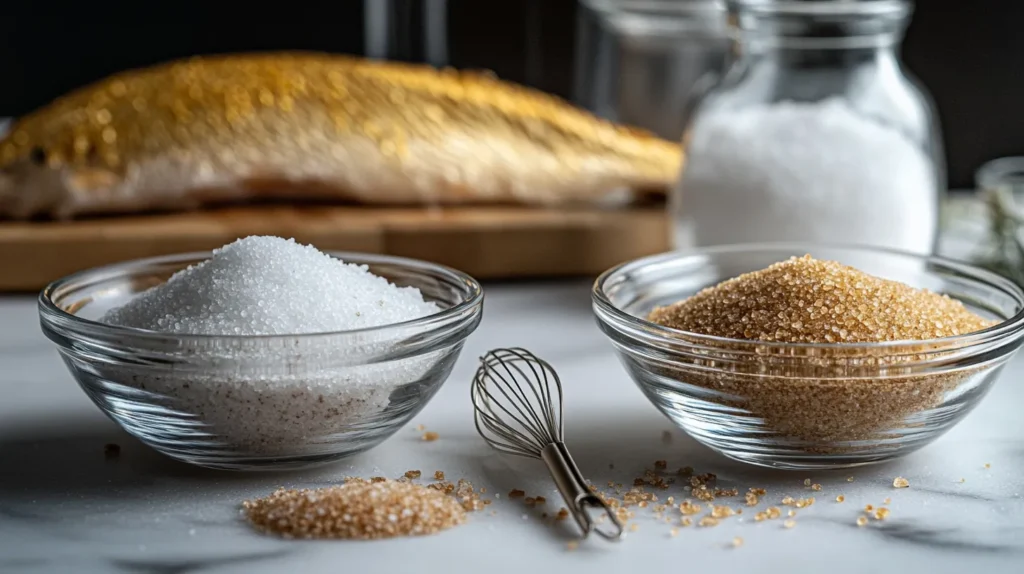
point(637, 61)
point(815, 133)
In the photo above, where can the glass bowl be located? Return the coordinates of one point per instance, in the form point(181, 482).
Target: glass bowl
point(258, 402)
point(807, 406)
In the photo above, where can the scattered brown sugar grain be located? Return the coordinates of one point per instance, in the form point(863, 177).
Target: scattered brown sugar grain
point(806, 300)
point(356, 510)
point(862, 520)
point(815, 487)
point(708, 521)
point(431, 436)
point(412, 474)
point(881, 513)
point(817, 401)
point(900, 482)
point(840, 498)
point(789, 523)
point(516, 493)
point(804, 502)
point(438, 475)
point(737, 542)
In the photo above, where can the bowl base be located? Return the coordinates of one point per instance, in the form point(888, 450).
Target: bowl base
point(808, 463)
point(258, 463)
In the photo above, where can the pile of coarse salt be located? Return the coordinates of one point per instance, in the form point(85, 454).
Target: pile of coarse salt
point(270, 286)
point(275, 396)
point(796, 171)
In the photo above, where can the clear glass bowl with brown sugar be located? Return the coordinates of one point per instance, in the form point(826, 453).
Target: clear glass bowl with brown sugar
point(765, 395)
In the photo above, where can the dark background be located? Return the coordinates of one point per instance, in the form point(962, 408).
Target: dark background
point(970, 55)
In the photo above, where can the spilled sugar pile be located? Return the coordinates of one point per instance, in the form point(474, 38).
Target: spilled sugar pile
point(269, 396)
point(364, 509)
point(358, 510)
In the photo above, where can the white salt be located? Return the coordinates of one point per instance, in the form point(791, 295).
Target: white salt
point(805, 172)
point(270, 286)
point(292, 395)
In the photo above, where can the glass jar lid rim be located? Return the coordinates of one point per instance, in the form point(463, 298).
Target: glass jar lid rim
point(824, 7)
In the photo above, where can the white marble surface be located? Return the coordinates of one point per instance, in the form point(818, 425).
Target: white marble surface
point(64, 508)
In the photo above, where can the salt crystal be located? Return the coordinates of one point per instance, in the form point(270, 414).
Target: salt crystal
point(806, 172)
point(270, 286)
point(276, 397)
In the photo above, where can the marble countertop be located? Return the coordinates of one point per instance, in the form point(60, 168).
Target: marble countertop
point(65, 508)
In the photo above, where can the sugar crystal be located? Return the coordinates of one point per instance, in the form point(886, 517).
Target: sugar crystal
point(275, 396)
point(265, 285)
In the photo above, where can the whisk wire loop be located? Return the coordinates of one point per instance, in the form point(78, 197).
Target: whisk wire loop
point(523, 416)
point(501, 370)
point(521, 401)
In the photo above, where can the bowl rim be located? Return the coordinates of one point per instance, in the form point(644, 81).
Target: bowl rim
point(670, 336)
point(53, 314)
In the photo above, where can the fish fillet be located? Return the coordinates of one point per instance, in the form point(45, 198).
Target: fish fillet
point(316, 127)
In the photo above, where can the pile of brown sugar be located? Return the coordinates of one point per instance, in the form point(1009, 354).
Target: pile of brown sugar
point(359, 509)
point(822, 400)
point(805, 300)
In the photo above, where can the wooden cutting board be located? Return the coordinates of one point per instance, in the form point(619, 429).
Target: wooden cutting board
point(486, 242)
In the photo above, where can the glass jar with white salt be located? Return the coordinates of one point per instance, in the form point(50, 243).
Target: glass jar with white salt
point(814, 133)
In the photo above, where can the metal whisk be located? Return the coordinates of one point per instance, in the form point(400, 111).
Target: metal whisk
point(517, 403)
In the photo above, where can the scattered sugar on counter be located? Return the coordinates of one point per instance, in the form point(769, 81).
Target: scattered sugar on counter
point(267, 397)
point(270, 286)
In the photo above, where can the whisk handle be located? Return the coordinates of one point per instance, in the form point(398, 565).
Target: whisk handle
point(577, 494)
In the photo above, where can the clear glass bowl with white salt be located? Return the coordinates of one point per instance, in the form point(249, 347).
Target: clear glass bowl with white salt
point(253, 402)
point(801, 405)
point(815, 133)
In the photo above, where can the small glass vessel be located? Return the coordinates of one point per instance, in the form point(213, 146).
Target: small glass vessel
point(815, 133)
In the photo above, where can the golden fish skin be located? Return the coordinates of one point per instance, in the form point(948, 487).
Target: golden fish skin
point(314, 126)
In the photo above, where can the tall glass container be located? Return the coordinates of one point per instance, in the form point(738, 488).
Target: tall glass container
point(637, 61)
point(815, 133)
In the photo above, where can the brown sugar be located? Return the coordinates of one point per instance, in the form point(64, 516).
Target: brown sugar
point(835, 394)
point(805, 300)
point(358, 509)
